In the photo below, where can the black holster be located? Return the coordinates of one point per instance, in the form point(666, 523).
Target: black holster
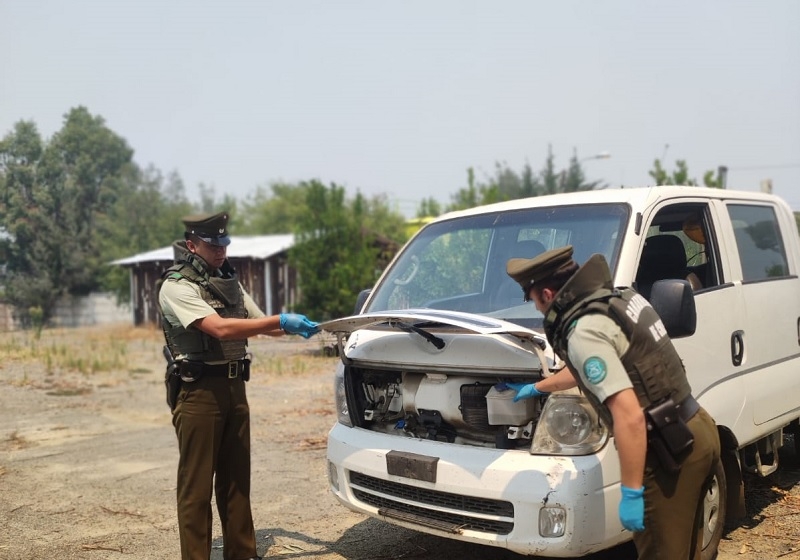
point(172, 378)
point(667, 434)
point(172, 381)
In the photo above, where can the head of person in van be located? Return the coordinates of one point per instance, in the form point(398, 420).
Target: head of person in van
point(693, 228)
point(544, 275)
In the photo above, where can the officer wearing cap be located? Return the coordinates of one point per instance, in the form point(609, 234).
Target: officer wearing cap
point(617, 351)
point(207, 318)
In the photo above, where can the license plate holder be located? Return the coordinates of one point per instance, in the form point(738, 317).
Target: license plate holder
point(412, 465)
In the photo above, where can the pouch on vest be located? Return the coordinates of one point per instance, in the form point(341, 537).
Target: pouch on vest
point(668, 434)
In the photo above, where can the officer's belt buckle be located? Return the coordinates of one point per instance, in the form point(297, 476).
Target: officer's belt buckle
point(233, 370)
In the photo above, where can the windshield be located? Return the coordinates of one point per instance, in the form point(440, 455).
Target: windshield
point(460, 264)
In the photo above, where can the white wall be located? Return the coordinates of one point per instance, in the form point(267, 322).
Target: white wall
point(94, 309)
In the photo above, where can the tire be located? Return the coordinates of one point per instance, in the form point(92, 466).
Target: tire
point(715, 503)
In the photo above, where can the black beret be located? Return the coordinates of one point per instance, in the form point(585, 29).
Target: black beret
point(211, 228)
point(526, 272)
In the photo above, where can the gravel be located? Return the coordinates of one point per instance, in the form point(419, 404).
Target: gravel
point(88, 457)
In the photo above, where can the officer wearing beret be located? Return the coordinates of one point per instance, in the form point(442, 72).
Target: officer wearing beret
point(617, 351)
point(207, 318)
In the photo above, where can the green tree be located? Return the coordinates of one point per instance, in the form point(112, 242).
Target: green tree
point(550, 179)
point(273, 210)
point(334, 255)
point(713, 180)
point(574, 180)
point(53, 195)
point(530, 184)
point(467, 197)
point(429, 207)
point(380, 220)
point(507, 184)
point(146, 215)
point(678, 177)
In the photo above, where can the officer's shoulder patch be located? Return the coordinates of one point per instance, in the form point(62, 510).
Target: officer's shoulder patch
point(594, 369)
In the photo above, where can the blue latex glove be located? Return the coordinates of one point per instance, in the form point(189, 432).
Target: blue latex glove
point(294, 323)
point(524, 391)
point(631, 509)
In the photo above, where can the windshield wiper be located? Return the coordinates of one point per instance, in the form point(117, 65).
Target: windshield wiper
point(432, 338)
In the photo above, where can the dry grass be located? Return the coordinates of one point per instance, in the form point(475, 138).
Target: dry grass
point(293, 365)
point(125, 348)
point(85, 350)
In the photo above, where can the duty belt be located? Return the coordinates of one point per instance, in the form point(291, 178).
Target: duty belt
point(687, 408)
point(231, 370)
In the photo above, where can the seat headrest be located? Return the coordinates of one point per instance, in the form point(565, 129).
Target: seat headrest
point(663, 256)
point(527, 249)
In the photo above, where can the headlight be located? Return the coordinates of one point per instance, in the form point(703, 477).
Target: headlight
point(342, 414)
point(568, 425)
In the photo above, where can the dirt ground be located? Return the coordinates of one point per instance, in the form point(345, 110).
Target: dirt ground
point(88, 458)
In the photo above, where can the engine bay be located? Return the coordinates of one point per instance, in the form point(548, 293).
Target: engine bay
point(443, 407)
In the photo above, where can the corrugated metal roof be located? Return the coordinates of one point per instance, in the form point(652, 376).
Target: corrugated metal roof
point(245, 246)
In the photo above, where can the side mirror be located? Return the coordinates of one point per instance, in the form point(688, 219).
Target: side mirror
point(360, 300)
point(673, 300)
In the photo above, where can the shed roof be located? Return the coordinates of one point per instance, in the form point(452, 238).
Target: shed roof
point(242, 246)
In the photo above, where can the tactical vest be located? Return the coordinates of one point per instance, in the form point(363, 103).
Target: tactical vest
point(651, 361)
point(223, 293)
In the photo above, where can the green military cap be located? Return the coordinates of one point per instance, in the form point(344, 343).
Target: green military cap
point(526, 272)
point(211, 228)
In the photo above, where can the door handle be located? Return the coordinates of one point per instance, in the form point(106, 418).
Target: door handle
point(737, 347)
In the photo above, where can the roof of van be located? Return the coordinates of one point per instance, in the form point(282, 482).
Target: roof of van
point(635, 196)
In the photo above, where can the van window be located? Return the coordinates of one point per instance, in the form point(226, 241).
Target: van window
point(460, 264)
point(759, 242)
point(680, 244)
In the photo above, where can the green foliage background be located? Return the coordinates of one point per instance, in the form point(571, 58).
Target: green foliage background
point(71, 204)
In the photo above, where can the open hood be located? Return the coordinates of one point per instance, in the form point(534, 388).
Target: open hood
point(433, 340)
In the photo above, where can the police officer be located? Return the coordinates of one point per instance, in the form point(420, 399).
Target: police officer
point(207, 318)
point(617, 351)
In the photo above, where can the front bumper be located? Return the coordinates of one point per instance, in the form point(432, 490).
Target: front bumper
point(488, 496)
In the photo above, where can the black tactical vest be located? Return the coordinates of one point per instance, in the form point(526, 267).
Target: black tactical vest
point(223, 293)
point(651, 361)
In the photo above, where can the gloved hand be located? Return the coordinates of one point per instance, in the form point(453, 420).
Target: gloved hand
point(524, 391)
point(295, 323)
point(631, 509)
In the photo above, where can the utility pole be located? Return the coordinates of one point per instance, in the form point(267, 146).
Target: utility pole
point(722, 175)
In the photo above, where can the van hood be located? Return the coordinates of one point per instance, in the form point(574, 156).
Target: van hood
point(432, 340)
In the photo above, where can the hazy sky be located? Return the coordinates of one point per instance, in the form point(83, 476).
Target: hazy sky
point(402, 97)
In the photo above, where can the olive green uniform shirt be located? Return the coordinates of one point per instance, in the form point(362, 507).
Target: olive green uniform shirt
point(596, 343)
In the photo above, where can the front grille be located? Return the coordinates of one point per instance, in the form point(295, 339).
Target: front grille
point(420, 505)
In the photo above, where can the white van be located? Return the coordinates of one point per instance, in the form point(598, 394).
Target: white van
point(423, 438)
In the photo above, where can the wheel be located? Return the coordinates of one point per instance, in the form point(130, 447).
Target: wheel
point(715, 503)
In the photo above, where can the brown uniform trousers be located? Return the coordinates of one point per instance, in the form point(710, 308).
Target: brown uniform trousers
point(674, 503)
point(212, 422)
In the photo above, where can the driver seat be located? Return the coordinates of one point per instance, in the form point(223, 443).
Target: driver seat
point(663, 258)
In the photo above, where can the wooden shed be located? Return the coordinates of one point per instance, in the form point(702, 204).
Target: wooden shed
point(261, 262)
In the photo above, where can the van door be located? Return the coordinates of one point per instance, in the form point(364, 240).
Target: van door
point(768, 346)
point(682, 241)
